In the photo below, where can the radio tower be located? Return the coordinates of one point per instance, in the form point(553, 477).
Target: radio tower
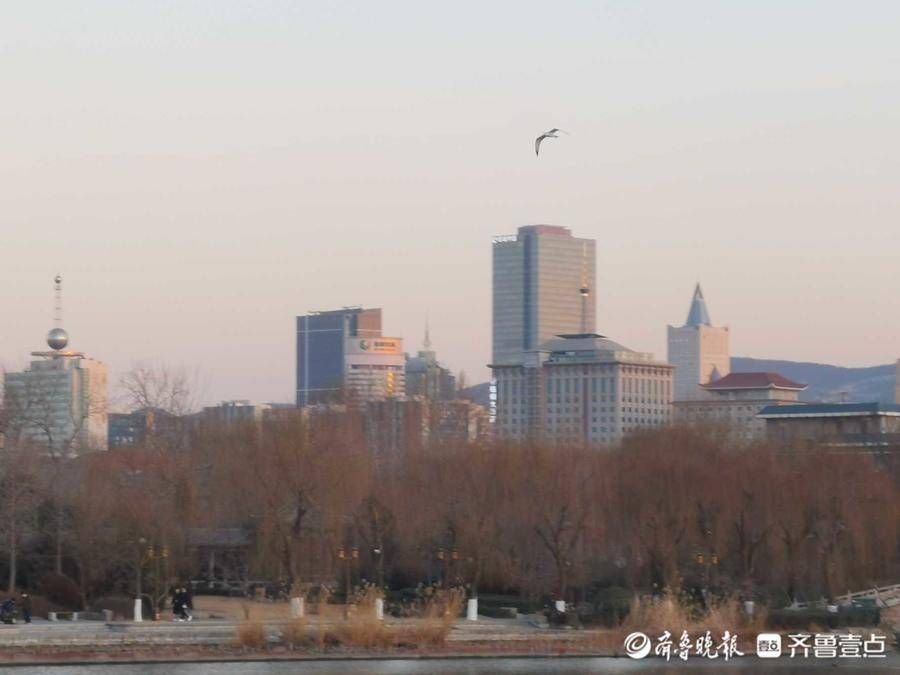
point(585, 291)
point(57, 305)
point(57, 338)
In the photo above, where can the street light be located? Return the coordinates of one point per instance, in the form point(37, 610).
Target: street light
point(379, 565)
point(347, 556)
point(706, 564)
point(155, 555)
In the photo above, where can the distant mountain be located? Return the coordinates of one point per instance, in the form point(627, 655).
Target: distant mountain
point(478, 393)
point(828, 383)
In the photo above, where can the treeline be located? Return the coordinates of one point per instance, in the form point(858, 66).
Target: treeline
point(673, 509)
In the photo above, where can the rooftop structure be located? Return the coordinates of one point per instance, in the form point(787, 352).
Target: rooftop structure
point(698, 315)
point(743, 381)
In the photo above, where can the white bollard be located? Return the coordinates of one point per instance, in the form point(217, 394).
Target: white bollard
point(379, 609)
point(472, 609)
point(298, 608)
point(560, 606)
point(138, 611)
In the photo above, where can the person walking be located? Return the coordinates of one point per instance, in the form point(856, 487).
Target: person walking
point(178, 604)
point(26, 607)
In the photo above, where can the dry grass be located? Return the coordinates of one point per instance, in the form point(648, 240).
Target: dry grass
point(296, 635)
point(251, 635)
point(364, 631)
point(671, 614)
point(361, 629)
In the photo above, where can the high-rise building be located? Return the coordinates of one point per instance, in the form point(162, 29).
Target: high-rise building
point(544, 281)
point(342, 356)
point(582, 389)
point(698, 350)
point(59, 401)
point(426, 377)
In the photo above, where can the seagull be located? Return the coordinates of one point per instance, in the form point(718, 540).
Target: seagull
point(553, 133)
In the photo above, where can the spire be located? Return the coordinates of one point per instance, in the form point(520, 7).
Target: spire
point(57, 338)
point(57, 305)
point(426, 345)
point(698, 315)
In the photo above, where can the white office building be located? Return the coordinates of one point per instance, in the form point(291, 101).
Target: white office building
point(582, 389)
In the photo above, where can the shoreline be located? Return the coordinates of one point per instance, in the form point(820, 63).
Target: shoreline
point(140, 657)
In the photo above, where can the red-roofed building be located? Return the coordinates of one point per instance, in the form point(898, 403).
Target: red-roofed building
point(733, 402)
point(743, 381)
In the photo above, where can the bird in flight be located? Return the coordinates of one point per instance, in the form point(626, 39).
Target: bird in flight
point(553, 133)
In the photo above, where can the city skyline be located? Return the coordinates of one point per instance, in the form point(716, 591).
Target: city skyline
point(200, 189)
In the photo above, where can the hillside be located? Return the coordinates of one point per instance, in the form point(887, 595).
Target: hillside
point(826, 382)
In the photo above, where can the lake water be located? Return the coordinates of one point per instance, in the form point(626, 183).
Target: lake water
point(462, 667)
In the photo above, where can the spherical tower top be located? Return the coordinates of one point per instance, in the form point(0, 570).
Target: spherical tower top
point(57, 339)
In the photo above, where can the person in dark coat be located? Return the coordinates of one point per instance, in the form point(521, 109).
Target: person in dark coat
point(26, 607)
point(177, 604)
point(187, 604)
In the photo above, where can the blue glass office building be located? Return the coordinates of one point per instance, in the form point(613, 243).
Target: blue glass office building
point(321, 342)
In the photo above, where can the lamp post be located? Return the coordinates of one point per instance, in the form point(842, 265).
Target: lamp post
point(347, 557)
point(156, 555)
point(442, 565)
point(706, 562)
point(378, 555)
point(447, 559)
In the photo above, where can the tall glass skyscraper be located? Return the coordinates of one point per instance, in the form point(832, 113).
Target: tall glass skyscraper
point(544, 282)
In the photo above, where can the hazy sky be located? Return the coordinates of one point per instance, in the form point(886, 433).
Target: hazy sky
point(201, 172)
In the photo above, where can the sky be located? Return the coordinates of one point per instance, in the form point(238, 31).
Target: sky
point(202, 172)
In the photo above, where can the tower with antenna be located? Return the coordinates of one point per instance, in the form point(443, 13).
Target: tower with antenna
point(64, 392)
point(585, 290)
point(57, 338)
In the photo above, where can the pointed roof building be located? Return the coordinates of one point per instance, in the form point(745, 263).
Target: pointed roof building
point(699, 351)
point(698, 315)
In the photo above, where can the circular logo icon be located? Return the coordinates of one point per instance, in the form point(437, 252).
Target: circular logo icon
point(364, 345)
point(637, 645)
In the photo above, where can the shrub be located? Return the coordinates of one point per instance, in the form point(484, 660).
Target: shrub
point(365, 631)
point(296, 635)
point(251, 635)
point(61, 590)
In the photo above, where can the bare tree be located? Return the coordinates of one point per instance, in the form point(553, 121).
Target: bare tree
point(156, 386)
